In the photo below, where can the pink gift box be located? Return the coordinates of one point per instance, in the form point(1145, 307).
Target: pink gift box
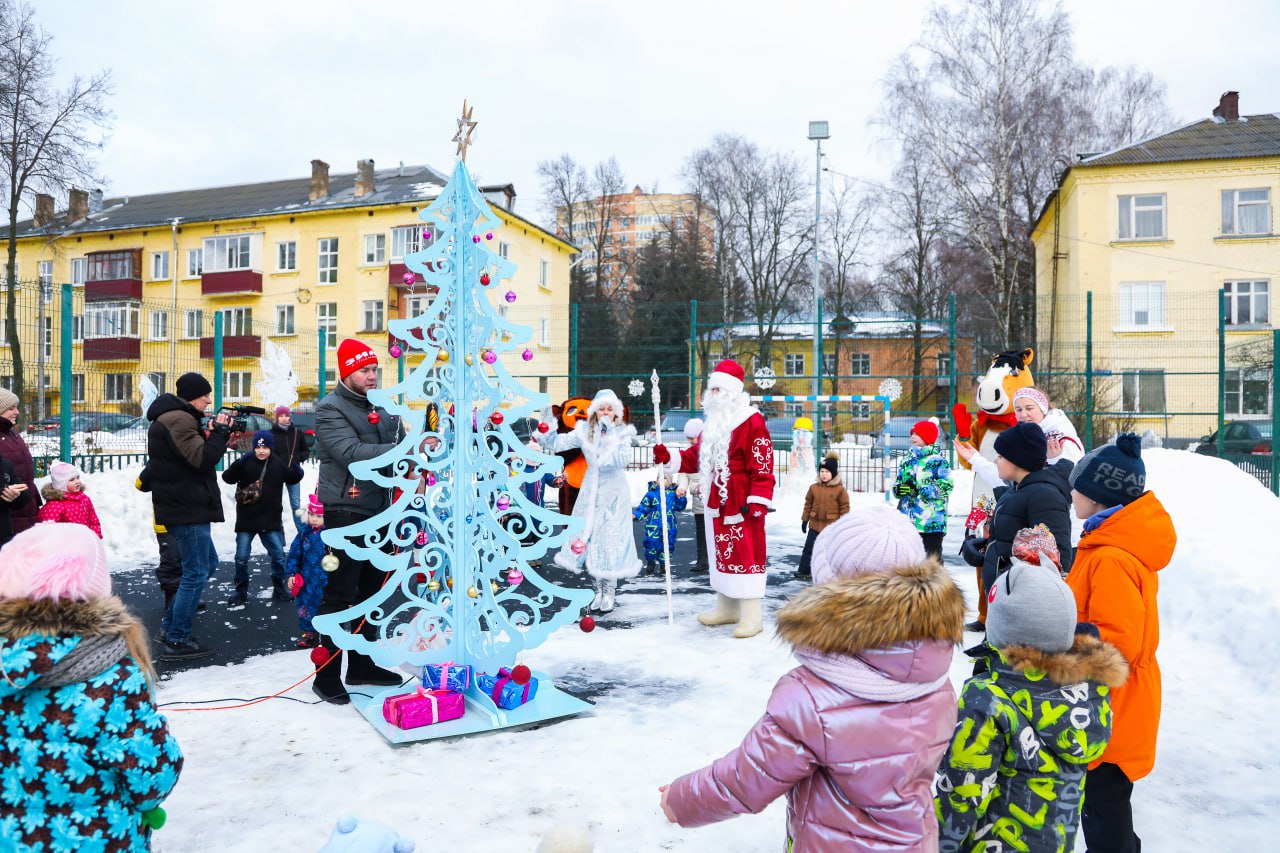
point(423, 708)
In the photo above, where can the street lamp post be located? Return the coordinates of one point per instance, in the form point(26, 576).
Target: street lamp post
point(817, 132)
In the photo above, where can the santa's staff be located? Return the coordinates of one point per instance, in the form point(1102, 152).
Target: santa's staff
point(662, 498)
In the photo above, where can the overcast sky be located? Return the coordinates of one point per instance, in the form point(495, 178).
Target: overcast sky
point(210, 94)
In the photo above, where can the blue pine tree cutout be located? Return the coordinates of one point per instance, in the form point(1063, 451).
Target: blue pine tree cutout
point(451, 595)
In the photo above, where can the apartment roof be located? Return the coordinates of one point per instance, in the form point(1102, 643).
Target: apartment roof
point(1207, 139)
point(397, 185)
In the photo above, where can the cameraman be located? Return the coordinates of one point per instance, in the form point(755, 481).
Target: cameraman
point(186, 497)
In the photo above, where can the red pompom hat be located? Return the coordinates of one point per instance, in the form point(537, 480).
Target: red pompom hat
point(728, 376)
point(927, 430)
point(353, 355)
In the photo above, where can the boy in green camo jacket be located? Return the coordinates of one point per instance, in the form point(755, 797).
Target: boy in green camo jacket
point(1028, 726)
point(923, 486)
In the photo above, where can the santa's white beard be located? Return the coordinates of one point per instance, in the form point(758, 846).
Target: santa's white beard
point(722, 413)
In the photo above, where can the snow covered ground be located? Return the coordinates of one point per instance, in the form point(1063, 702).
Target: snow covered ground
point(670, 699)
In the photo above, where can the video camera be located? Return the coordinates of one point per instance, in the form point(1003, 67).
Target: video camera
point(239, 418)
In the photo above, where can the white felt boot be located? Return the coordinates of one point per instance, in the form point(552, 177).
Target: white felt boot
point(750, 623)
point(726, 612)
point(598, 586)
point(606, 602)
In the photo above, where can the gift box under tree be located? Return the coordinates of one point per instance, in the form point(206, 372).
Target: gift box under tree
point(506, 690)
point(423, 708)
point(446, 676)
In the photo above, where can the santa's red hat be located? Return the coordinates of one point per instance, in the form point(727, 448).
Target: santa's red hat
point(728, 376)
point(353, 355)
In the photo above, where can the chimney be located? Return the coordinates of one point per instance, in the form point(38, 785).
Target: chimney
point(77, 205)
point(364, 178)
point(95, 202)
point(319, 179)
point(1228, 108)
point(44, 209)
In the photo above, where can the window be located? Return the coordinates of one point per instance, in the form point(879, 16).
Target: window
point(1248, 303)
point(1246, 211)
point(862, 411)
point(794, 410)
point(375, 248)
point(327, 319)
point(235, 385)
point(195, 262)
point(192, 323)
point(543, 384)
point(284, 320)
point(112, 266)
point(793, 364)
point(287, 256)
point(544, 274)
point(407, 239)
point(328, 261)
point(48, 339)
point(45, 272)
point(77, 387)
point(504, 249)
point(1142, 304)
point(944, 365)
point(79, 271)
point(1247, 392)
point(1142, 217)
point(159, 266)
point(117, 388)
point(828, 364)
point(158, 328)
point(111, 319)
point(224, 254)
point(1142, 391)
point(237, 321)
point(77, 328)
point(157, 379)
point(417, 305)
point(860, 364)
point(544, 332)
point(371, 311)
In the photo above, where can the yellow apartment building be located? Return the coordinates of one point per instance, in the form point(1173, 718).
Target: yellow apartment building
point(1156, 231)
point(278, 260)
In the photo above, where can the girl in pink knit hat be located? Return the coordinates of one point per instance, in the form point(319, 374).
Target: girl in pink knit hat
point(65, 499)
point(854, 734)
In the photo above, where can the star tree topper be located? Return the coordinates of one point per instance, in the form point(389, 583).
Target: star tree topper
point(465, 128)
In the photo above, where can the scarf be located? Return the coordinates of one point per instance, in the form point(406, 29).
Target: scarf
point(860, 678)
point(91, 656)
point(985, 420)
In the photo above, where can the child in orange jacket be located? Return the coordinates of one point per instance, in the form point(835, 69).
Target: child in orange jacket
point(1128, 538)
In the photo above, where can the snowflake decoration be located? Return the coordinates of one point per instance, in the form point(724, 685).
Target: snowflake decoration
point(635, 388)
point(891, 388)
point(765, 378)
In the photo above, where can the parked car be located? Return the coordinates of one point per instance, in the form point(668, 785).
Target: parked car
point(671, 430)
point(306, 423)
point(896, 437)
point(1239, 437)
point(84, 422)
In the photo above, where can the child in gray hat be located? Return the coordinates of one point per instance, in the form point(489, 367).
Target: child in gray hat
point(1030, 724)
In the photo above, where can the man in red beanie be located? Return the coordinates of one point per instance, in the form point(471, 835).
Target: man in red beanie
point(349, 428)
point(734, 461)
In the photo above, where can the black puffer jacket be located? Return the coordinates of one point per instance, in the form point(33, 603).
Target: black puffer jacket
point(291, 444)
point(1043, 497)
point(182, 463)
point(345, 435)
point(264, 514)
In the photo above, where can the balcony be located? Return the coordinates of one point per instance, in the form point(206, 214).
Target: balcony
point(106, 290)
point(230, 283)
point(111, 349)
point(396, 271)
point(233, 346)
point(113, 275)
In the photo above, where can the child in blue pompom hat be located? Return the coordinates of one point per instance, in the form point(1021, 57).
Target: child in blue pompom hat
point(260, 478)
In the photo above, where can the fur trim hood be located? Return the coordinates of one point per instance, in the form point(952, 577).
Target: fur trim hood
point(49, 493)
point(875, 611)
point(1088, 659)
point(102, 617)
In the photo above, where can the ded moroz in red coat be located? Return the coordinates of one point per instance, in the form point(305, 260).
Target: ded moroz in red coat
point(737, 560)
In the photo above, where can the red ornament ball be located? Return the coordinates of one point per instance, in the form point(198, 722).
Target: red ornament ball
point(374, 417)
point(521, 674)
point(320, 655)
point(496, 418)
point(544, 426)
point(587, 624)
point(484, 279)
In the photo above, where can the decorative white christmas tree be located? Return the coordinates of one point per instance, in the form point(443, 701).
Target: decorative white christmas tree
point(278, 385)
point(460, 534)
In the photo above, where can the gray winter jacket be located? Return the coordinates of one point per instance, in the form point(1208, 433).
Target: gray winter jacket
point(344, 435)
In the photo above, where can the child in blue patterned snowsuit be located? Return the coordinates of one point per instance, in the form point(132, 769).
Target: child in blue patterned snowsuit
point(306, 577)
point(85, 756)
point(923, 486)
point(649, 512)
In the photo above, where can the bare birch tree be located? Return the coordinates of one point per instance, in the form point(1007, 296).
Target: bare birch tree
point(844, 290)
point(48, 136)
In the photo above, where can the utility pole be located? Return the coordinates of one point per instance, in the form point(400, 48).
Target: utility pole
point(818, 131)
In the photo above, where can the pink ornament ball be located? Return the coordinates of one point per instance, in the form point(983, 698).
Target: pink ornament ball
point(395, 351)
point(489, 356)
point(409, 278)
point(503, 502)
point(511, 296)
point(431, 479)
point(577, 546)
point(515, 577)
point(527, 355)
point(426, 233)
point(489, 236)
point(422, 538)
point(475, 238)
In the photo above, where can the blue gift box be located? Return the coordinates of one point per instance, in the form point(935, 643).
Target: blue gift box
point(446, 676)
point(505, 692)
